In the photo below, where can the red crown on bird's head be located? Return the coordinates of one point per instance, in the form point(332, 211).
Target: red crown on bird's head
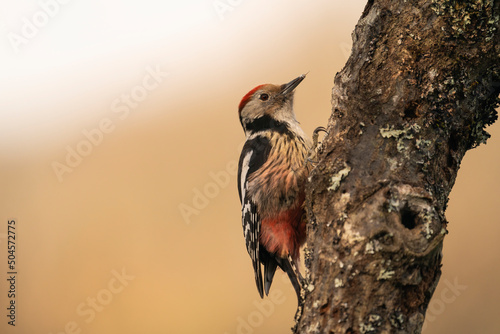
point(247, 97)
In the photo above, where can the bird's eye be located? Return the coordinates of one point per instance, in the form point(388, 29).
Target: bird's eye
point(264, 97)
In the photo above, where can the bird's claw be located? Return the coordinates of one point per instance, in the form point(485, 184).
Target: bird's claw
point(316, 146)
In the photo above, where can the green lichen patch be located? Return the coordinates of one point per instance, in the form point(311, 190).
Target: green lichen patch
point(406, 133)
point(397, 320)
point(385, 274)
point(371, 326)
point(338, 177)
point(422, 143)
point(426, 217)
point(372, 246)
point(468, 18)
point(338, 283)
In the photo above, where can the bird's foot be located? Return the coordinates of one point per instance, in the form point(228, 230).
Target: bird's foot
point(317, 146)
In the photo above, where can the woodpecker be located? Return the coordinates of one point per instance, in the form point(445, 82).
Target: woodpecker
point(272, 173)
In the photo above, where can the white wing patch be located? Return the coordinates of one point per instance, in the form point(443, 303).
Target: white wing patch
point(243, 176)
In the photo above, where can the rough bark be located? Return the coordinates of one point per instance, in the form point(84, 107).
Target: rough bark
point(421, 84)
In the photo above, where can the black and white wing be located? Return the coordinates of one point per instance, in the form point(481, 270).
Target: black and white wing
point(251, 231)
point(254, 154)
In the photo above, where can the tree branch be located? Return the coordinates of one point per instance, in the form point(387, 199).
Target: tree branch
point(420, 85)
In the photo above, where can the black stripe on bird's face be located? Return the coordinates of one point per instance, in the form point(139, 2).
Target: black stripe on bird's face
point(266, 122)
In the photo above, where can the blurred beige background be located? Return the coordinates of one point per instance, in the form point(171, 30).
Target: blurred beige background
point(141, 232)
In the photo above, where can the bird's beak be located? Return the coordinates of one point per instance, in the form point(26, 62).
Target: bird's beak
point(289, 87)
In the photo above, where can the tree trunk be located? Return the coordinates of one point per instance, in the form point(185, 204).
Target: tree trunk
point(421, 84)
